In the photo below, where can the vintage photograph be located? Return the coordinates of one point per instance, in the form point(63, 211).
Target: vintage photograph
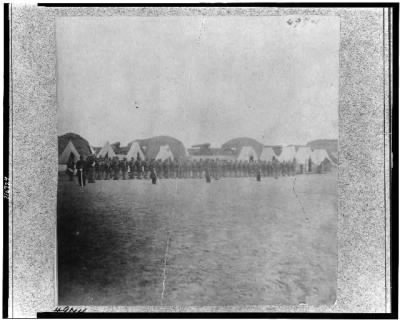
point(197, 160)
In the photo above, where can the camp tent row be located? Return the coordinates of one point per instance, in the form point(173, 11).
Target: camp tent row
point(302, 155)
point(135, 151)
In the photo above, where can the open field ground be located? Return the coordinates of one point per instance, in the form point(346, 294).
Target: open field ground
point(235, 241)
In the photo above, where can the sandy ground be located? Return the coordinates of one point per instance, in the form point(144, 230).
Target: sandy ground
point(184, 242)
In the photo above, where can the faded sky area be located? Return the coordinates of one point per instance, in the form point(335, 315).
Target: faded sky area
point(198, 79)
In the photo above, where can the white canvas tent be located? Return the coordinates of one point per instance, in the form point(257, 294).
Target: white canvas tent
point(303, 154)
point(288, 153)
point(165, 153)
point(319, 155)
point(267, 154)
point(107, 150)
point(92, 150)
point(134, 150)
point(247, 153)
point(66, 154)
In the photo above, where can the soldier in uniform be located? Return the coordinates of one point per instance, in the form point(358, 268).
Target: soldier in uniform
point(158, 168)
point(97, 168)
point(191, 169)
point(263, 166)
point(275, 167)
point(131, 165)
point(165, 168)
point(184, 169)
point(294, 166)
point(207, 170)
point(219, 164)
point(106, 168)
point(269, 169)
point(115, 168)
point(124, 168)
point(100, 169)
point(145, 166)
point(200, 166)
point(257, 168)
point(153, 174)
point(138, 168)
point(91, 170)
point(244, 168)
point(195, 168)
point(81, 168)
point(176, 168)
point(253, 168)
point(71, 168)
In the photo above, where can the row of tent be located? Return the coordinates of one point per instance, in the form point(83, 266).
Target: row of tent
point(247, 153)
point(135, 151)
point(107, 151)
point(300, 154)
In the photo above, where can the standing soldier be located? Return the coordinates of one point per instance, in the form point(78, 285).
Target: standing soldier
point(97, 168)
point(153, 174)
point(236, 168)
point(269, 168)
point(81, 171)
point(171, 168)
point(294, 166)
point(219, 168)
point(275, 167)
point(138, 168)
point(131, 165)
point(231, 168)
point(207, 170)
point(115, 167)
point(71, 168)
point(106, 168)
point(184, 169)
point(196, 168)
point(258, 170)
point(283, 168)
point(145, 168)
point(176, 168)
point(252, 168)
point(91, 171)
point(201, 168)
point(124, 168)
point(225, 169)
point(264, 168)
point(157, 166)
point(246, 168)
point(190, 168)
point(165, 168)
point(101, 169)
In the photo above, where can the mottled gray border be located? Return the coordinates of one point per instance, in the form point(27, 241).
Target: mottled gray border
point(363, 218)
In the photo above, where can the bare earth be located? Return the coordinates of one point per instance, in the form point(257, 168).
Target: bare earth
point(235, 241)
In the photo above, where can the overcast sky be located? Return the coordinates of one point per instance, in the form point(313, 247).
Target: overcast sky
point(198, 79)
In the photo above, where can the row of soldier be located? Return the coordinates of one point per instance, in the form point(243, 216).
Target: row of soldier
point(107, 169)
